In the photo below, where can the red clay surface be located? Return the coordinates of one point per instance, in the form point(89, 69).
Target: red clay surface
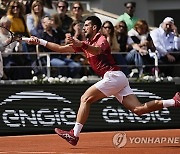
point(165, 142)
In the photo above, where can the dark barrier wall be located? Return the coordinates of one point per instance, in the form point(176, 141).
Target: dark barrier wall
point(32, 109)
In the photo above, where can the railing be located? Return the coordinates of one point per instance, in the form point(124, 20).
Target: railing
point(48, 64)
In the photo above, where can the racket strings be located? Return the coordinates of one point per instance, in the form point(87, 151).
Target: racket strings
point(5, 37)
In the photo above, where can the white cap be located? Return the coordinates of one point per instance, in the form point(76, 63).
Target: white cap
point(168, 19)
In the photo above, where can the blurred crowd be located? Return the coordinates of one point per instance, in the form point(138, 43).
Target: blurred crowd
point(53, 22)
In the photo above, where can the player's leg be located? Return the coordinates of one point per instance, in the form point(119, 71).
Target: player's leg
point(111, 84)
point(132, 103)
point(91, 95)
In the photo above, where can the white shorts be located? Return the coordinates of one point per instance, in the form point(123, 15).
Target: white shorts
point(114, 83)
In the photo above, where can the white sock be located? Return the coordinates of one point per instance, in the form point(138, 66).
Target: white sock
point(77, 129)
point(168, 103)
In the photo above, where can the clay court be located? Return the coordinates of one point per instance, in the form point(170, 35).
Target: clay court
point(91, 143)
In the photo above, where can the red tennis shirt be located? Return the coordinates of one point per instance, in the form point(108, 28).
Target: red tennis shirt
point(102, 62)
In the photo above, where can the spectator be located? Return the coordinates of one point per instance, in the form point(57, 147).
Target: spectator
point(34, 18)
point(58, 65)
point(16, 14)
point(76, 32)
point(57, 26)
point(128, 16)
point(10, 60)
point(143, 45)
point(66, 21)
point(5, 22)
point(167, 42)
point(77, 12)
point(65, 66)
point(108, 32)
point(123, 39)
point(125, 43)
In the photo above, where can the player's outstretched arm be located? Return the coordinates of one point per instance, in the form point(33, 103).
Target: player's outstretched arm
point(59, 48)
point(51, 45)
point(89, 48)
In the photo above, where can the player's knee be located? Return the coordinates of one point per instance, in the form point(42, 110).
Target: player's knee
point(85, 99)
point(139, 110)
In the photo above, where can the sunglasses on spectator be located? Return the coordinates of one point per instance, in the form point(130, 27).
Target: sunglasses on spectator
point(15, 7)
point(77, 8)
point(61, 7)
point(37, 5)
point(107, 27)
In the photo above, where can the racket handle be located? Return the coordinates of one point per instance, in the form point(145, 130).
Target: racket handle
point(25, 39)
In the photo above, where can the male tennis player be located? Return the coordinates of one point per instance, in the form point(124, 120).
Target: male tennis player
point(114, 82)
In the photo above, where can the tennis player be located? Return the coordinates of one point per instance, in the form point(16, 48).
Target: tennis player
point(114, 82)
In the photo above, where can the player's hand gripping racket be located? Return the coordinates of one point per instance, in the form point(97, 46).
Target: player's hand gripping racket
point(7, 37)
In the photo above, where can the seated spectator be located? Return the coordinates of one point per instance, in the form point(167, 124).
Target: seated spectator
point(34, 18)
point(125, 43)
point(128, 16)
point(108, 31)
point(64, 66)
point(15, 13)
point(57, 26)
point(123, 39)
point(10, 61)
point(167, 41)
point(5, 23)
point(143, 45)
point(49, 34)
point(77, 12)
point(76, 32)
point(66, 21)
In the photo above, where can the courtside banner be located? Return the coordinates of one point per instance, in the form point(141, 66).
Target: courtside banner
point(34, 109)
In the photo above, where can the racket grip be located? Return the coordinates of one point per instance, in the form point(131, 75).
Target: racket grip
point(25, 39)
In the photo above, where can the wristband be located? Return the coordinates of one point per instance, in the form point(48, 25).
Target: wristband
point(84, 46)
point(43, 42)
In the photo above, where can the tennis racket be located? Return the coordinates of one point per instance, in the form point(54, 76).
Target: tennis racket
point(7, 37)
